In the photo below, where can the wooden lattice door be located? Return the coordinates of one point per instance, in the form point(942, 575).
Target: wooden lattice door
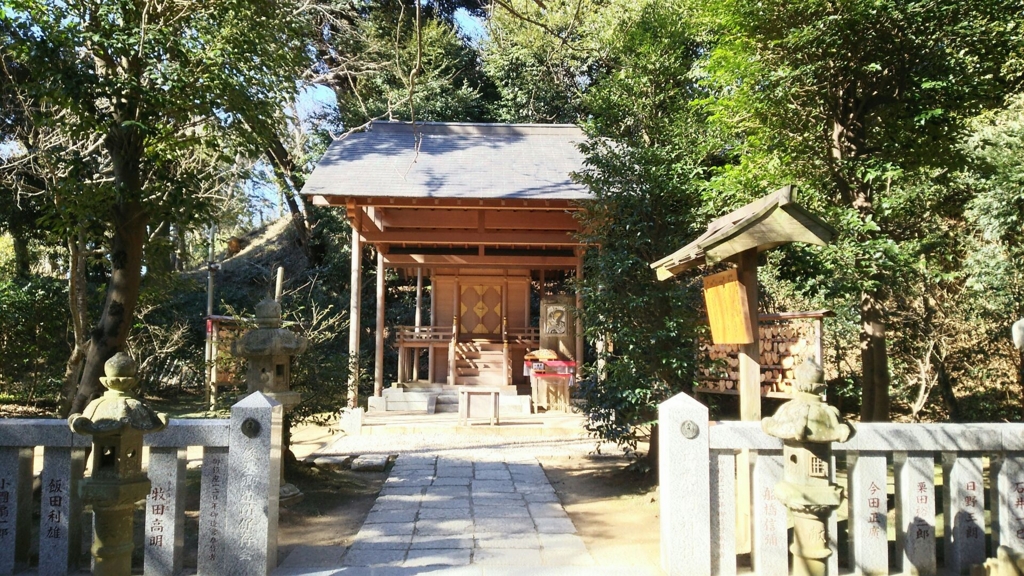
point(480, 314)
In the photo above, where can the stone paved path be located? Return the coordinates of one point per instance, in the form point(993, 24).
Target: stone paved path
point(449, 511)
point(460, 505)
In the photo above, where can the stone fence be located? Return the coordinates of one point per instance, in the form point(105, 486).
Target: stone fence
point(698, 469)
point(238, 492)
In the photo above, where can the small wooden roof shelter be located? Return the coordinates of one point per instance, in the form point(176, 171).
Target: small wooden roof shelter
point(766, 223)
point(493, 202)
point(738, 237)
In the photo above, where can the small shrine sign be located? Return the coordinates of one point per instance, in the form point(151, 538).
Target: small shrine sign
point(728, 309)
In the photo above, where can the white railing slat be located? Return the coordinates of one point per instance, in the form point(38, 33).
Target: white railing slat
point(15, 507)
point(869, 548)
point(915, 512)
point(213, 499)
point(165, 512)
point(770, 550)
point(963, 511)
point(723, 513)
point(190, 432)
point(887, 437)
point(29, 432)
point(60, 536)
point(1007, 477)
point(741, 436)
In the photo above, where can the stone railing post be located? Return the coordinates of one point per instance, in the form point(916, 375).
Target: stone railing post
point(15, 506)
point(60, 529)
point(253, 487)
point(165, 511)
point(213, 501)
point(685, 485)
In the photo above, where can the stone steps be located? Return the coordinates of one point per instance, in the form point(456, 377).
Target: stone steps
point(438, 398)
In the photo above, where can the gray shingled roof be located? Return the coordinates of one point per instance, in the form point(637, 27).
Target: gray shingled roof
point(455, 160)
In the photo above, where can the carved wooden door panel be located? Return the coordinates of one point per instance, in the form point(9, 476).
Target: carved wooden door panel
point(480, 314)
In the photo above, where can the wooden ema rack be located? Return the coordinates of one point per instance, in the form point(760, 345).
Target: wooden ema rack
point(785, 340)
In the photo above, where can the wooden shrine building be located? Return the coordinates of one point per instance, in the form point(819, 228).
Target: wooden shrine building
point(481, 212)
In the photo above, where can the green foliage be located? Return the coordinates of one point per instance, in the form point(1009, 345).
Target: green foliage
point(34, 339)
point(540, 74)
point(410, 70)
point(643, 159)
point(865, 105)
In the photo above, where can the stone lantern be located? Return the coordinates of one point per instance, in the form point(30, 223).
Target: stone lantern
point(116, 421)
point(269, 349)
point(808, 426)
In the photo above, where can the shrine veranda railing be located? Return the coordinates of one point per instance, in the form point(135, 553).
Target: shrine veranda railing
point(698, 502)
point(239, 489)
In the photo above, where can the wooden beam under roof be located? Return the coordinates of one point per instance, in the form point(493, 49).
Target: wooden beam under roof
point(486, 261)
point(470, 238)
point(429, 218)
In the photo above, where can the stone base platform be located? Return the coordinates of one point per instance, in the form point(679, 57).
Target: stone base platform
point(434, 398)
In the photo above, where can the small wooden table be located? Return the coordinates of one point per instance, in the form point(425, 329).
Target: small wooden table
point(466, 401)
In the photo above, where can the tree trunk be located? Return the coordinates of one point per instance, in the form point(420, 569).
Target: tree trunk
point(654, 447)
point(22, 259)
point(874, 361)
point(945, 384)
point(292, 181)
point(122, 295)
point(78, 306)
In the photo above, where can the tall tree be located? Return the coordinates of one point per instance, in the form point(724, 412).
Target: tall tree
point(645, 159)
point(542, 57)
point(160, 85)
point(399, 60)
point(855, 99)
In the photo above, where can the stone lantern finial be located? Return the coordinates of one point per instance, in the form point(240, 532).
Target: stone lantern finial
point(268, 313)
point(117, 410)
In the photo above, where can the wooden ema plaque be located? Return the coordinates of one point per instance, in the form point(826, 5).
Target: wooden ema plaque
point(728, 312)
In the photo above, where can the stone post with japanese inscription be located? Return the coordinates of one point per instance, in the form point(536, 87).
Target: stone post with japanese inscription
point(807, 427)
point(269, 349)
point(116, 421)
point(253, 487)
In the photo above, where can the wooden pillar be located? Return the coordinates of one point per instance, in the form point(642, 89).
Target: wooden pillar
point(579, 323)
point(378, 361)
point(750, 396)
point(749, 354)
point(433, 322)
point(543, 280)
point(456, 313)
point(419, 323)
point(506, 360)
point(353, 313)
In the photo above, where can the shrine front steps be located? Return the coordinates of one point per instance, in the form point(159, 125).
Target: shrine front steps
point(435, 398)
